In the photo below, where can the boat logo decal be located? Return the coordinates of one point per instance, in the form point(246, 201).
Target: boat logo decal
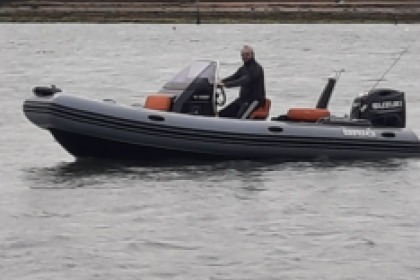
point(359, 132)
point(201, 97)
point(387, 105)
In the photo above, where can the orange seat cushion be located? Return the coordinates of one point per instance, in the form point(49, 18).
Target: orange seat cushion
point(307, 114)
point(262, 112)
point(159, 102)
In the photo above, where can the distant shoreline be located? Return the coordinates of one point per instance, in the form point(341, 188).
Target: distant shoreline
point(209, 12)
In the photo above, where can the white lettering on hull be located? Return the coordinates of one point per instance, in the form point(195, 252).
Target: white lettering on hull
point(359, 132)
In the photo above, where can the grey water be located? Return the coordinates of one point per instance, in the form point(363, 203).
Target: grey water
point(234, 220)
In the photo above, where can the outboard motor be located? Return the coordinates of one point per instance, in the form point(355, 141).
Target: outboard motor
point(382, 107)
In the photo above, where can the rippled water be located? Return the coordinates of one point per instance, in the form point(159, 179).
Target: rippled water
point(64, 219)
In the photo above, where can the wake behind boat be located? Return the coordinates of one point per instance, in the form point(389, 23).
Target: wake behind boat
point(181, 121)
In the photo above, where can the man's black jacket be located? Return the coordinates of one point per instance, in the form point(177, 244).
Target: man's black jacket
point(250, 77)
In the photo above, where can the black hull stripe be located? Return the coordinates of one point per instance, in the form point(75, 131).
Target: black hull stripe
point(209, 136)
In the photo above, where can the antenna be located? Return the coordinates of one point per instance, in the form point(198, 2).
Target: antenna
point(393, 64)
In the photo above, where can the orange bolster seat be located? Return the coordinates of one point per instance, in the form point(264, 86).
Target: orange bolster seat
point(159, 102)
point(262, 112)
point(307, 114)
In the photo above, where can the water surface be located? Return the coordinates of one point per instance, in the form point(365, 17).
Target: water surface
point(67, 219)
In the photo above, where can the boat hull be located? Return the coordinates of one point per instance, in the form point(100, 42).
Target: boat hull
point(96, 129)
point(83, 146)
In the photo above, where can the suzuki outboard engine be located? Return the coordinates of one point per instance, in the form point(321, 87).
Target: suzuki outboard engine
point(382, 107)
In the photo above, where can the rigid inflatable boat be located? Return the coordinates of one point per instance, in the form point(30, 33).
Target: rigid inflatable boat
point(181, 121)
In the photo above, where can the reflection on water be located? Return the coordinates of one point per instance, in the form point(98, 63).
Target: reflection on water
point(90, 173)
point(66, 174)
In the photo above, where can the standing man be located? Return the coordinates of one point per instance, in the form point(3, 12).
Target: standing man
point(250, 78)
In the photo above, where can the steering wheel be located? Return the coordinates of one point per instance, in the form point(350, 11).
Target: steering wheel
point(220, 96)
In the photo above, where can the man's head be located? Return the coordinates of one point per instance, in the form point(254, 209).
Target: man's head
point(247, 53)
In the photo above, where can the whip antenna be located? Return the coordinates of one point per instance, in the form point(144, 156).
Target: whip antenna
point(393, 64)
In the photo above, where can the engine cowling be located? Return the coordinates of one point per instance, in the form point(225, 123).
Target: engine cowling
point(382, 107)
